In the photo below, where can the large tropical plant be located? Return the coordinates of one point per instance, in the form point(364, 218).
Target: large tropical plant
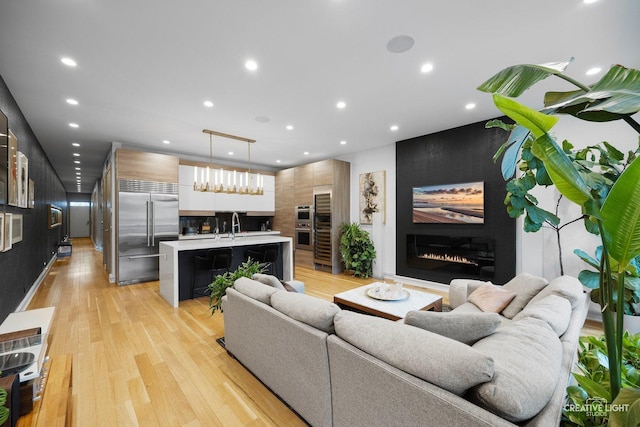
point(609, 201)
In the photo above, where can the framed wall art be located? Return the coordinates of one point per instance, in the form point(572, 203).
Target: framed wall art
point(372, 195)
point(32, 195)
point(23, 180)
point(449, 204)
point(4, 157)
point(54, 216)
point(6, 238)
point(12, 180)
point(16, 228)
point(1, 232)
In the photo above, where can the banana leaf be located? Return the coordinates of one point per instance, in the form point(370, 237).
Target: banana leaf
point(621, 216)
point(615, 96)
point(513, 81)
point(537, 122)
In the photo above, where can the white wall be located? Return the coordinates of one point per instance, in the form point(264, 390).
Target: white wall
point(537, 252)
point(384, 238)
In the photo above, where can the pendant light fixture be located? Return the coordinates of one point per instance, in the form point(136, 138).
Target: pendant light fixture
point(213, 180)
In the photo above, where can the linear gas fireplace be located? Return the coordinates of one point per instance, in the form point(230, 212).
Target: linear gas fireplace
point(446, 257)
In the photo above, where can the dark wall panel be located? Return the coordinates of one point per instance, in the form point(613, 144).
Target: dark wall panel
point(21, 266)
point(454, 156)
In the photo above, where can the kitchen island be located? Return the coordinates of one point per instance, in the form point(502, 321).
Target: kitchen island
point(176, 260)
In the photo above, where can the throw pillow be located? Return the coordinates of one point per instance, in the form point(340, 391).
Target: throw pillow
point(491, 298)
point(306, 309)
point(268, 279)
point(554, 310)
point(525, 286)
point(564, 286)
point(464, 327)
point(436, 359)
point(528, 360)
point(254, 289)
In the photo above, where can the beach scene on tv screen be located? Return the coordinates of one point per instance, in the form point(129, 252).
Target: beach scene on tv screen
point(449, 204)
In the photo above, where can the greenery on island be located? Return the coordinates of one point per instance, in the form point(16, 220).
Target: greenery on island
point(357, 250)
point(599, 179)
point(218, 288)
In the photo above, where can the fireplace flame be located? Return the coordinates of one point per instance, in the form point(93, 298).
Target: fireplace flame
point(448, 258)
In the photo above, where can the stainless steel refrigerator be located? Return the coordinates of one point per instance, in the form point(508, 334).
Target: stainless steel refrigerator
point(147, 215)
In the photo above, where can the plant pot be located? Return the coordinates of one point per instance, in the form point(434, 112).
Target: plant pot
point(631, 324)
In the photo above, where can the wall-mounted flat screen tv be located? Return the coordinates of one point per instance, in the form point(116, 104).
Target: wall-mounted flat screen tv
point(449, 204)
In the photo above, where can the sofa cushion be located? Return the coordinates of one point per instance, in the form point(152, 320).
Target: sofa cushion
point(439, 360)
point(464, 327)
point(564, 286)
point(528, 358)
point(491, 298)
point(306, 309)
point(525, 286)
point(254, 289)
point(270, 280)
point(554, 310)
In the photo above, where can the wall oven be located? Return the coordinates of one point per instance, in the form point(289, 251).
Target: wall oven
point(304, 227)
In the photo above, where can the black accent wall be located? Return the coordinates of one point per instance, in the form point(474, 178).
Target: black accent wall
point(459, 155)
point(21, 266)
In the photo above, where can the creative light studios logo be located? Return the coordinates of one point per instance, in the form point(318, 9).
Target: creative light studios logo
point(597, 407)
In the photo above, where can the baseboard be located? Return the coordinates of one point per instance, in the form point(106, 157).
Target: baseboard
point(32, 291)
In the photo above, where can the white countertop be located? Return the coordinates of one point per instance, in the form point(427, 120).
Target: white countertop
point(210, 235)
point(242, 239)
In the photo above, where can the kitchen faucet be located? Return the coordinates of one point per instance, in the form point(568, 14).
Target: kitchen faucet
point(235, 222)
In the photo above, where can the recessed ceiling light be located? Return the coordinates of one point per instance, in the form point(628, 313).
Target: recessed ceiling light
point(77, 162)
point(593, 71)
point(230, 153)
point(470, 106)
point(426, 68)
point(306, 153)
point(165, 141)
point(251, 65)
point(72, 101)
point(78, 173)
point(68, 61)
point(75, 144)
point(400, 44)
point(394, 128)
point(277, 161)
point(289, 127)
point(74, 125)
point(76, 154)
point(589, 1)
point(77, 169)
point(208, 104)
point(343, 142)
point(341, 104)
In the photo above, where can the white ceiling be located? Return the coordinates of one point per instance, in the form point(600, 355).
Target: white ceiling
point(145, 67)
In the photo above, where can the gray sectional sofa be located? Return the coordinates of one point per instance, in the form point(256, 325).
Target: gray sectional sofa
point(465, 367)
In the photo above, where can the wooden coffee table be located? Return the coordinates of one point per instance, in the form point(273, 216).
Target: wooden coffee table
point(358, 300)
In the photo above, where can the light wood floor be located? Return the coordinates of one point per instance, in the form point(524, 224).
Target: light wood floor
point(138, 361)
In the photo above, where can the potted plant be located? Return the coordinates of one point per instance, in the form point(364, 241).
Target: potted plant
point(357, 250)
point(218, 288)
point(590, 398)
point(4, 411)
point(609, 197)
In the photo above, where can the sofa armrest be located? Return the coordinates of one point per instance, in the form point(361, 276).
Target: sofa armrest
point(460, 289)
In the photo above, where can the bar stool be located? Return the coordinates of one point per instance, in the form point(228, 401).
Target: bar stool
point(214, 261)
point(266, 254)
